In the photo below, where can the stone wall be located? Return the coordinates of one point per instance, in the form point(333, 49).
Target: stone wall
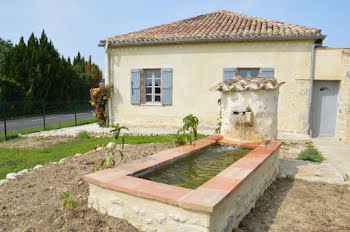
point(239, 203)
point(263, 115)
point(145, 214)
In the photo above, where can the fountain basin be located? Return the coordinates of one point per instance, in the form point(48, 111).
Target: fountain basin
point(217, 205)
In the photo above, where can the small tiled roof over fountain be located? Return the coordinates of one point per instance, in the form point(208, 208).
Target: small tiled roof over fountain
point(239, 83)
point(219, 25)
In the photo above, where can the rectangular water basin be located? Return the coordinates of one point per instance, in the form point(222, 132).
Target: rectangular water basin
point(199, 167)
point(216, 204)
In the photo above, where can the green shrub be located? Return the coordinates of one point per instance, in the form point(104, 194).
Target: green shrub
point(311, 154)
point(180, 140)
point(83, 135)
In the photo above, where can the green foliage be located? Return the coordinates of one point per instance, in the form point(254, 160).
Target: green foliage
point(14, 159)
point(339, 189)
point(311, 154)
point(117, 130)
point(190, 125)
point(67, 202)
point(35, 70)
point(98, 99)
point(218, 128)
point(288, 177)
point(83, 135)
point(180, 140)
point(346, 177)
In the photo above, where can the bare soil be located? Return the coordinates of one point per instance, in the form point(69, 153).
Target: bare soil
point(29, 203)
point(289, 205)
point(33, 142)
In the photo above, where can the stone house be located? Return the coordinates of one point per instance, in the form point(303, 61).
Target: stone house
point(164, 73)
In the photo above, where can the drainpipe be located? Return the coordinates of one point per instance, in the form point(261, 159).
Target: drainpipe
point(107, 81)
point(312, 73)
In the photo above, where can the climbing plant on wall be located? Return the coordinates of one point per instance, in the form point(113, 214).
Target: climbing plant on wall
point(98, 99)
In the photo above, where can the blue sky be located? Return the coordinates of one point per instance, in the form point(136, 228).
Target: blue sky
point(78, 25)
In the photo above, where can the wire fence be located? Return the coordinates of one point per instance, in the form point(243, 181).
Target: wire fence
point(22, 117)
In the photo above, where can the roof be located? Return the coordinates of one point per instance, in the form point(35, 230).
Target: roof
point(239, 83)
point(216, 26)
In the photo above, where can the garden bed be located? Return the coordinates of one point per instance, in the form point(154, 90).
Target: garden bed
point(29, 203)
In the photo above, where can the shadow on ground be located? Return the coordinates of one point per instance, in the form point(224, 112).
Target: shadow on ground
point(262, 216)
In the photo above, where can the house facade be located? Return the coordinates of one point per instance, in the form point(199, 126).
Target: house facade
point(164, 73)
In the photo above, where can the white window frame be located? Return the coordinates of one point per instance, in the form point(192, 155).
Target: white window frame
point(153, 87)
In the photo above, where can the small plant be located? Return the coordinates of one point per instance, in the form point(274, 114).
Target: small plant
point(190, 124)
point(83, 135)
point(218, 128)
point(288, 177)
point(95, 169)
point(117, 130)
point(67, 202)
point(109, 162)
point(346, 177)
point(180, 140)
point(339, 190)
point(311, 154)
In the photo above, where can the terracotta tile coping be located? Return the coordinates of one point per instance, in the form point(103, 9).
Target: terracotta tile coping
point(206, 197)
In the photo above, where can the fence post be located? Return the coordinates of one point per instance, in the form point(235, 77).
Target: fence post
point(4, 116)
point(43, 109)
point(75, 112)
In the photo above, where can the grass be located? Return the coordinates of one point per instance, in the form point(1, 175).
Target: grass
point(311, 154)
point(14, 160)
point(13, 134)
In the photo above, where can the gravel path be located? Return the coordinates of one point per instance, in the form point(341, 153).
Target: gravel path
point(97, 130)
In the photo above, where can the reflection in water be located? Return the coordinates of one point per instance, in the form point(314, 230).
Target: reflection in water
point(199, 167)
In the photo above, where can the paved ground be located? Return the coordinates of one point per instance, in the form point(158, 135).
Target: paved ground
point(335, 153)
point(22, 123)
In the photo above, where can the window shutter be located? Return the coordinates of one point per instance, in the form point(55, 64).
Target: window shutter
point(135, 86)
point(267, 72)
point(229, 73)
point(167, 86)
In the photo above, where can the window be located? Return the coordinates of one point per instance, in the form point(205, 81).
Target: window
point(245, 72)
point(152, 80)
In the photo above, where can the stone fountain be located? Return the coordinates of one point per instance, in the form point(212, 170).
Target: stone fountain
point(249, 108)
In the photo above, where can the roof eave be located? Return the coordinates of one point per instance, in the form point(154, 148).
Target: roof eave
point(113, 44)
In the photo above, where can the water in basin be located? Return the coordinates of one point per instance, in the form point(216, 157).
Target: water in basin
point(198, 167)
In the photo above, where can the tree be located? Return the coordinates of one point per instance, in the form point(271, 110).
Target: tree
point(35, 70)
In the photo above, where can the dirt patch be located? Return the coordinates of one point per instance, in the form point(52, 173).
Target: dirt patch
point(300, 206)
point(291, 149)
point(33, 142)
point(29, 203)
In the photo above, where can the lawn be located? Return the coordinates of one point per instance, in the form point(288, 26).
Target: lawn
point(14, 159)
point(12, 134)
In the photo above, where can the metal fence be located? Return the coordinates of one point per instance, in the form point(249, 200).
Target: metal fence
point(21, 117)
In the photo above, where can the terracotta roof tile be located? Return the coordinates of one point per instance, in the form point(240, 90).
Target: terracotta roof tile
point(239, 83)
point(216, 26)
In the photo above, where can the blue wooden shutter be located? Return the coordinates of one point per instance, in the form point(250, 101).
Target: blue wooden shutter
point(167, 86)
point(229, 73)
point(348, 74)
point(267, 72)
point(135, 86)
